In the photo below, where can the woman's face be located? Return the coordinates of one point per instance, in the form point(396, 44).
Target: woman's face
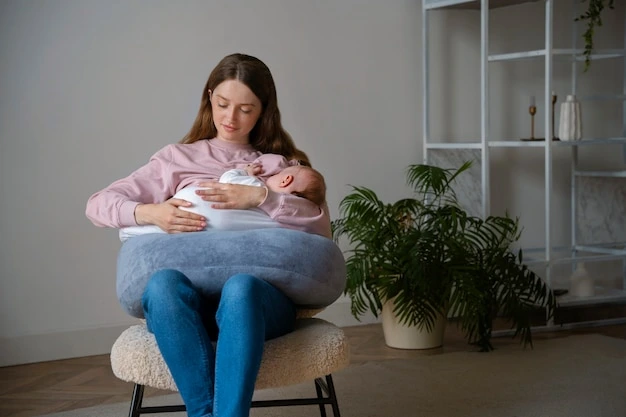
point(236, 110)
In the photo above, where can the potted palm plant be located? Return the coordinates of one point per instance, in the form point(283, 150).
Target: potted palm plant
point(428, 258)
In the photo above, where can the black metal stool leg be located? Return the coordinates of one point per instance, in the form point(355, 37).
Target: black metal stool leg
point(332, 395)
point(135, 402)
point(318, 388)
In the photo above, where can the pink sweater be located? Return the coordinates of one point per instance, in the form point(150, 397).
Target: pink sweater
point(176, 166)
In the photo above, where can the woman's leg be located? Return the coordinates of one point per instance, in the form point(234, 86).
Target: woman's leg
point(176, 312)
point(250, 312)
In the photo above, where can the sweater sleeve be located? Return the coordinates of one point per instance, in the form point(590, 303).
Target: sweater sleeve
point(272, 164)
point(297, 213)
point(114, 206)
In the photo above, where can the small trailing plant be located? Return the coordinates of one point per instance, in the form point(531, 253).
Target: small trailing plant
point(594, 19)
point(433, 258)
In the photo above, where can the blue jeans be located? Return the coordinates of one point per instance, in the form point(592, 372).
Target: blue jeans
point(215, 382)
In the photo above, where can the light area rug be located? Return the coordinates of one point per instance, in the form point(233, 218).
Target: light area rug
point(575, 376)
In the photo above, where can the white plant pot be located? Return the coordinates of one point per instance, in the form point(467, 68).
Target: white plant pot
point(401, 336)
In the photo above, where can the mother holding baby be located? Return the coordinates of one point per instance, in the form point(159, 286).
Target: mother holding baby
point(238, 121)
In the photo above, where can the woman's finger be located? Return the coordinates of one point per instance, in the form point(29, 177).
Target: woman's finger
point(179, 228)
point(185, 225)
point(212, 193)
point(184, 214)
point(177, 202)
point(186, 221)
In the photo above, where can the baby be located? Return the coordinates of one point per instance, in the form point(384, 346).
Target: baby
point(299, 180)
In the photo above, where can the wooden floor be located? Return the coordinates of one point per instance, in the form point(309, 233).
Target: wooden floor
point(48, 387)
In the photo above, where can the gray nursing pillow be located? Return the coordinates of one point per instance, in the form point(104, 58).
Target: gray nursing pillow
point(308, 268)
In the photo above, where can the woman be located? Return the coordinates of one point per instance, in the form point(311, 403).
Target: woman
point(237, 121)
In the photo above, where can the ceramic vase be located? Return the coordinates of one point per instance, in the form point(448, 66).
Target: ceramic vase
point(581, 283)
point(570, 124)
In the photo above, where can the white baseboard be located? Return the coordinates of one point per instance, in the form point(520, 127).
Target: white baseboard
point(98, 341)
point(339, 313)
point(62, 345)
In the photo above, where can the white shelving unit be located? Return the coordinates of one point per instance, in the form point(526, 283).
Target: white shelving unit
point(486, 142)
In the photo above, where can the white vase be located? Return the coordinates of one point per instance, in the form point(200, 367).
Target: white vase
point(581, 283)
point(570, 123)
point(401, 336)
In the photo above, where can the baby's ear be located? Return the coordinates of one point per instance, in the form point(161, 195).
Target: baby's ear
point(286, 181)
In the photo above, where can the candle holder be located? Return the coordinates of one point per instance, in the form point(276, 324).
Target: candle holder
point(553, 106)
point(532, 110)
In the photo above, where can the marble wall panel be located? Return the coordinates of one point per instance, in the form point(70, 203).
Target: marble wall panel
point(467, 185)
point(601, 210)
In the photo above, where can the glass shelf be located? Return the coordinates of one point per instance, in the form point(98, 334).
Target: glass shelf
point(613, 248)
point(460, 145)
point(518, 143)
point(602, 296)
point(561, 255)
point(601, 174)
point(562, 267)
point(592, 142)
point(471, 4)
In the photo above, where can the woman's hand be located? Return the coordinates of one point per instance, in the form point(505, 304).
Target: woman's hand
point(231, 196)
point(169, 217)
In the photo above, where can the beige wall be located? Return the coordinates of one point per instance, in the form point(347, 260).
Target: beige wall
point(90, 89)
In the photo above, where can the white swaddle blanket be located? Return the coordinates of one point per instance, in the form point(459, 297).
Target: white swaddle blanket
point(217, 219)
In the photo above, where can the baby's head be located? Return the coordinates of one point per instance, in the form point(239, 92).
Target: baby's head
point(299, 180)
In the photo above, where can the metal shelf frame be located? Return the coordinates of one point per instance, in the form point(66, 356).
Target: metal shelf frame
point(568, 54)
point(486, 141)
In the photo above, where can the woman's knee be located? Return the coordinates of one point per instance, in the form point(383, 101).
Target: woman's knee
point(251, 292)
point(251, 301)
point(163, 285)
point(241, 289)
point(241, 284)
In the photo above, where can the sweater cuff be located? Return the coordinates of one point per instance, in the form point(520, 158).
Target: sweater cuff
point(127, 213)
point(271, 203)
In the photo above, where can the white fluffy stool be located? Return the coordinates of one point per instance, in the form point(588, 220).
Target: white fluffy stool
point(314, 350)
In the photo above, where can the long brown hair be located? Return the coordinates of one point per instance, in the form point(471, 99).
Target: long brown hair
point(268, 135)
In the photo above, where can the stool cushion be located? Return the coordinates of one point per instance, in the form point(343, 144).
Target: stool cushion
point(314, 349)
point(310, 269)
